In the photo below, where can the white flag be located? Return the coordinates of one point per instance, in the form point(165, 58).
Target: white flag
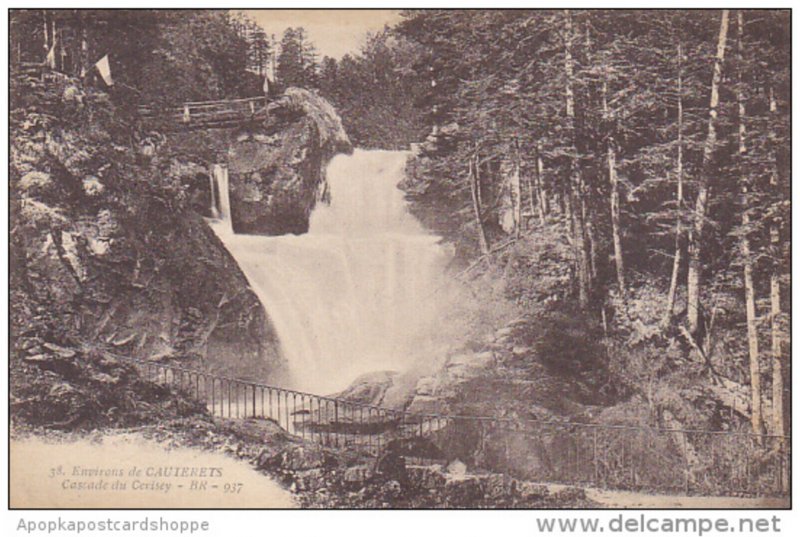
point(104, 69)
point(50, 60)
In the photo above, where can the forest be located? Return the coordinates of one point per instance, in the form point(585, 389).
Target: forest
point(657, 143)
point(155, 56)
point(610, 189)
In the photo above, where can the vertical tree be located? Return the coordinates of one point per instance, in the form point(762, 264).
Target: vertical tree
point(611, 163)
point(475, 189)
point(576, 184)
point(747, 256)
point(676, 261)
point(516, 189)
point(704, 184)
point(297, 62)
point(779, 421)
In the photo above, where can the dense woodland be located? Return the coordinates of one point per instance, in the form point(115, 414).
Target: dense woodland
point(655, 143)
point(154, 56)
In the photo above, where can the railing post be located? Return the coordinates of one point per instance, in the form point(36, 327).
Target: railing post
point(686, 460)
point(303, 414)
point(286, 406)
point(594, 456)
point(186, 115)
point(336, 420)
point(269, 401)
point(213, 395)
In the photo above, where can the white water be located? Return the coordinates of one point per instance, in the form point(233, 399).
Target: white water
point(221, 210)
point(357, 293)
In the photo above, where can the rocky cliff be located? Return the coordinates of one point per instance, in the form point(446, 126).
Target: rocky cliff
point(108, 257)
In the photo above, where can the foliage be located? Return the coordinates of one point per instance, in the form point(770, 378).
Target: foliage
point(297, 61)
point(576, 87)
point(155, 56)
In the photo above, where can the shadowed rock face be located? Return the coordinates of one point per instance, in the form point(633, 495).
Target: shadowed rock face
point(108, 254)
point(277, 171)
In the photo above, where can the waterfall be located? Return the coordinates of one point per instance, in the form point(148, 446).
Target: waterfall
point(356, 294)
point(214, 207)
point(221, 209)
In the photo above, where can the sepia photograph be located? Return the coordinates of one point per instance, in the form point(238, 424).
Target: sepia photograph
point(399, 259)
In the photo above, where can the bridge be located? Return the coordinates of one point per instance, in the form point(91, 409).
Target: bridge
point(623, 457)
point(206, 114)
point(219, 114)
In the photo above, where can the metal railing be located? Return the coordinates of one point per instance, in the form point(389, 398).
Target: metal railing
point(624, 457)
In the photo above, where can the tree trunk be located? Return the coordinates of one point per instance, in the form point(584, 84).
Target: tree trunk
point(701, 204)
point(676, 262)
point(611, 160)
point(590, 240)
point(516, 191)
point(533, 193)
point(778, 418)
point(83, 56)
point(566, 201)
point(578, 208)
point(56, 45)
point(46, 32)
point(475, 187)
point(756, 416)
point(541, 190)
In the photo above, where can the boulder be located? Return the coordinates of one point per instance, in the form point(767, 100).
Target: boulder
point(480, 360)
point(424, 404)
point(504, 332)
point(497, 486)
point(277, 171)
point(426, 477)
point(391, 466)
point(356, 475)
point(62, 352)
point(369, 388)
point(105, 378)
point(529, 490)
point(303, 458)
point(463, 491)
point(65, 367)
point(456, 468)
point(569, 495)
point(521, 350)
point(426, 386)
point(311, 479)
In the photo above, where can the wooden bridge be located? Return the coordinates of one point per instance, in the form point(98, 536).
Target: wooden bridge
point(188, 116)
point(206, 114)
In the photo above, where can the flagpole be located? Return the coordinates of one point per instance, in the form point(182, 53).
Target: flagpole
point(46, 32)
point(55, 45)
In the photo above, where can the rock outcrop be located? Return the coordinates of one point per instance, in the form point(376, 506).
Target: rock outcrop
point(277, 170)
point(106, 251)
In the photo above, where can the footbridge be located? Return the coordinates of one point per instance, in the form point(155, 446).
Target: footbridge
point(206, 114)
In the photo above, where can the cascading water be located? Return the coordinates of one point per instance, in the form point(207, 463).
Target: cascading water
point(221, 210)
point(357, 293)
